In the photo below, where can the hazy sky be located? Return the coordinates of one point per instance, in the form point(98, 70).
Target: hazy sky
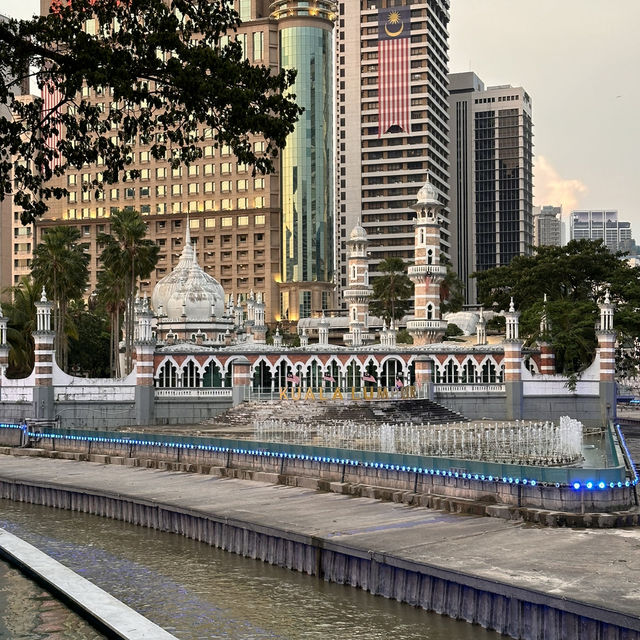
point(578, 60)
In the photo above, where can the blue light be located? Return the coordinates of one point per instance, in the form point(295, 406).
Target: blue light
point(576, 485)
point(589, 485)
point(504, 479)
point(533, 483)
point(490, 478)
point(510, 480)
point(627, 484)
point(601, 485)
point(524, 481)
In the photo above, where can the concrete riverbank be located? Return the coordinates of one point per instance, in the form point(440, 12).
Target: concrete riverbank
point(105, 612)
point(522, 580)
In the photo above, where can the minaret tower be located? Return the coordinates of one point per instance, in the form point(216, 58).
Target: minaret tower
point(606, 335)
point(427, 273)
point(359, 290)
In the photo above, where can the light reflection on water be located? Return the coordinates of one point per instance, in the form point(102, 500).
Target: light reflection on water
point(196, 591)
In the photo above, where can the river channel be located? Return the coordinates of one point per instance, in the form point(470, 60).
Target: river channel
point(193, 590)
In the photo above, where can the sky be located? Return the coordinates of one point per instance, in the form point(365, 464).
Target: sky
point(578, 61)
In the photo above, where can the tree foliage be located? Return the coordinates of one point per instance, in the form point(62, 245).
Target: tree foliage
point(89, 351)
point(392, 291)
point(451, 290)
point(160, 73)
point(61, 265)
point(127, 256)
point(574, 278)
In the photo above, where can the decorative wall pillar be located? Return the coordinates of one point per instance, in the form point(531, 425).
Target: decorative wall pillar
point(481, 329)
point(145, 346)
point(547, 355)
point(606, 335)
point(44, 338)
point(241, 380)
point(424, 376)
point(259, 328)
point(513, 365)
point(323, 331)
point(427, 273)
point(4, 346)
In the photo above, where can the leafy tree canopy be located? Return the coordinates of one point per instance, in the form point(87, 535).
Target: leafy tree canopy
point(154, 72)
point(574, 278)
point(392, 291)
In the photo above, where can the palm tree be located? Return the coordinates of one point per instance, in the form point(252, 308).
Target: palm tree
point(392, 291)
point(129, 254)
point(112, 293)
point(21, 312)
point(60, 264)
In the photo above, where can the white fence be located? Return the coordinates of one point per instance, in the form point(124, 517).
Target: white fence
point(92, 393)
point(194, 393)
point(468, 388)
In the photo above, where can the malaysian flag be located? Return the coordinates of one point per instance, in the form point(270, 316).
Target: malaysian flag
point(328, 378)
point(368, 378)
point(394, 48)
point(294, 379)
point(51, 97)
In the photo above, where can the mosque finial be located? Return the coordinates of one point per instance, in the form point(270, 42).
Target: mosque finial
point(511, 306)
point(187, 235)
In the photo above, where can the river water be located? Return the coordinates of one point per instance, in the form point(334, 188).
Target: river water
point(193, 590)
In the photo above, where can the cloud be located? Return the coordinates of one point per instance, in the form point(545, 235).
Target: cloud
point(552, 189)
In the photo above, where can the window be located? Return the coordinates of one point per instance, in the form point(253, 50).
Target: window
point(144, 192)
point(258, 45)
point(145, 174)
point(194, 170)
point(193, 206)
point(72, 179)
point(176, 189)
point(194, 223)
point(161, 208)
point(209, 169)
point(176, 207)
point(258, 183)
point(176, 172)
point(72, 197)
point(258, 147)
point(193, 188)
point(226, 222)
point(225, 204)
point(161, 190)
point(208, 151)
point(259, 220)
point(243, 221)
point(243, 203)
point(209, 187)
point(161, 173)
point(242, 185)
point(210, 223)
point(259, 202)
point(145, 157)
point(225, 186)
point(225, 168)
point(129, 192)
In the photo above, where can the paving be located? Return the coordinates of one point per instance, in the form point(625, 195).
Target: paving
point(119, 619)
point(590, 566)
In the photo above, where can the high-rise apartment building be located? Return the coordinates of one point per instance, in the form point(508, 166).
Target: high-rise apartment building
point(601, 225)
point(548, 226)
point(247, 236)
point(391, 121)
point(491, 155)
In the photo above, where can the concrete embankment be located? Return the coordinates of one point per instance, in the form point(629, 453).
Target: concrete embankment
point(521, 580)
point(106, 613)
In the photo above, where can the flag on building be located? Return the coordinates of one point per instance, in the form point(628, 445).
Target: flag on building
point(399, 383)
point(51, 97)
point(329, 378)
point(368, 378)
point(394, 49)
point(295, 379)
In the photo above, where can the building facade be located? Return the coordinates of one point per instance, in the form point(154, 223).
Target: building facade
point(601, 225)
point(242, 232)
point(391, 122)
point(548, 226)
point(491, 155)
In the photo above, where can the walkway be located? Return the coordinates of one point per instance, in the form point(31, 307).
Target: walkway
point(587, 566)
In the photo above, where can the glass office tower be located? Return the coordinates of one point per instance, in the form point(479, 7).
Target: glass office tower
point(306, 164)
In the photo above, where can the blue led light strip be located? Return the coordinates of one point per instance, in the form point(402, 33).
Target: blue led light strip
point(511, 480)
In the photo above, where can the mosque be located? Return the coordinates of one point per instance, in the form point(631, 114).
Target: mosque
point(199, 351)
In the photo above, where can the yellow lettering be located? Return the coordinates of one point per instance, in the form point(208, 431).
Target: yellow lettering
point(404, 394)
point(320, 395)
point(353, 393)
point(383, 392)
point(283, 393)
point(309, 395)
point(367, 393)
point(412, 389)
point(337, 394)
point(296, 393)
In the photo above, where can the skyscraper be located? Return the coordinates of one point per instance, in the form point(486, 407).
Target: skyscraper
point(548, 226)
point(491, 153)
point(391, 121)
point(246, 235)
point(600, 225)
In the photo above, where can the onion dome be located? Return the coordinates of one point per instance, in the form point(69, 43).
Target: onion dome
point(427, 197)
point(188, 290)
point(358, 233)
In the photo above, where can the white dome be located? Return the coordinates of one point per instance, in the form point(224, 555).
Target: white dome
point(188, 285)
point(428, 195)
point(358, 233)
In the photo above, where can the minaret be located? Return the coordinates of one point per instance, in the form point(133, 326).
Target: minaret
point(481, 329)
point(323, 331)
point(4, 346)
point(145, 345)
point(427, 273)
point(359, 290)
point(43, 337)
point(606, 335)
point(259, 328)
point(547, 355)
point(513, 364)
